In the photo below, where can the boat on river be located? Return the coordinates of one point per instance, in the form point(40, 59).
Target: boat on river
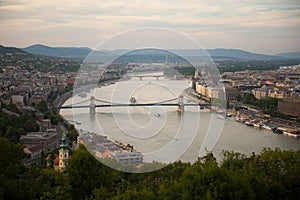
point(257, 124)
point(240, 119)
point(292, 133)
point(132, 100)
point(157, 115)
point(265, 126)
point(221, 117)
point(82, 94)
point(249, 123)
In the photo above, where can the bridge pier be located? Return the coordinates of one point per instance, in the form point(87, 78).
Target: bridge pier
point(157, 78)
point(92, 105)
point(180, 107)
point(141, 78)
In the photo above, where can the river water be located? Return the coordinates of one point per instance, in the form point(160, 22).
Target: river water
point(161, 133)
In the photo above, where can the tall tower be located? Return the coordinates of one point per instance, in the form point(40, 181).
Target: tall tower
point(63, 153)
point(196, 75)
point(180, 107)
point(92, 105)
point(166, 62)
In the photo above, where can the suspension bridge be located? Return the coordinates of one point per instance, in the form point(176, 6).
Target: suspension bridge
point(102, 103)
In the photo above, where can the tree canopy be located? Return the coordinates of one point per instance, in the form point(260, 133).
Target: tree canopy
point(272, 174)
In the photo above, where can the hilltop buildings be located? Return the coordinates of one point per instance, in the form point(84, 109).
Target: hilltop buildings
point(105, 148)
point(37, 142)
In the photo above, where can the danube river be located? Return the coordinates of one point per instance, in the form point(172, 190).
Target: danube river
point(161, 133)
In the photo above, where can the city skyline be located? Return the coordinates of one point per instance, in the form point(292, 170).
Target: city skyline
point(268, 27)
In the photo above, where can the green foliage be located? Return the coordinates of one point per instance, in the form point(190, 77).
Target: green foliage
point(268, 105)
point(11, 167)
point(32, 62)
point(273, 174)
point(239, 98)
point(54, 184)
point(48, 114)
point(72, 132)
point(86, 173)
point(12, 127)
point(30, 125)
point(42, 106)
point(185, 71)
point(11, 107)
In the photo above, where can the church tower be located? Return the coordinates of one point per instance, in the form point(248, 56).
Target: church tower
point(63, 153)
point(196, 75)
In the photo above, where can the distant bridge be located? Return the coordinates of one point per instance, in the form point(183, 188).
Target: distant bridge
point(180, 105)
point(142, 76)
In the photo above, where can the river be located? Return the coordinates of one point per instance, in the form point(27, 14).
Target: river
point(161, 133)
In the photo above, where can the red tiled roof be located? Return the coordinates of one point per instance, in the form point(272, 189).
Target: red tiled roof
point(267, 87)
point(106, 154)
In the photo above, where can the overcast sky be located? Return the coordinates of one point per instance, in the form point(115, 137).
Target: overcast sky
point(269, 26)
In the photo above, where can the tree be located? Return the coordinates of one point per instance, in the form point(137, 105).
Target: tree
point(72, 135)
point(31, 126)
point(42, 106)
point(13, 134)
point(239, 98)
point(10, 165)
point(55, 185)
point(86, 173)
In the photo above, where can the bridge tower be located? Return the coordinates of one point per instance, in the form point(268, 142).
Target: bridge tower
point(180, 107)
point(92, 105)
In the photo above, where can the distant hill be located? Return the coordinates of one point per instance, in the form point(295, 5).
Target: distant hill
point(216, 54)
point(76, 52)
point(239, 54)
point(290, 55)
point(4, 50)
point(219, 53)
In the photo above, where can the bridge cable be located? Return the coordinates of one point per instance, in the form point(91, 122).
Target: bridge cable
point(79, 103)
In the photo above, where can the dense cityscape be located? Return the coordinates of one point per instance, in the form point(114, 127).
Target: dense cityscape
point(35, 137)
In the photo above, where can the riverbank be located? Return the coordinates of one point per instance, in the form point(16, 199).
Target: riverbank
point(256, 119)
point(188, 92)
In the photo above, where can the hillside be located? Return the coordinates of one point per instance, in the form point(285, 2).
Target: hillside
point(75, 52)
point(290, 55)
point(4, 50)
point(216, 54)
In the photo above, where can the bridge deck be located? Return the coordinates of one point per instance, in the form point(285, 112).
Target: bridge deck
point(133, 105)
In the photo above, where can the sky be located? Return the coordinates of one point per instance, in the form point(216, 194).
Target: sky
point(269, 26)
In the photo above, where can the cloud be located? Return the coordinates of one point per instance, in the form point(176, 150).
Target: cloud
point(247, 19)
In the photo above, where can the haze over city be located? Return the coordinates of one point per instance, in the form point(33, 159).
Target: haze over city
point(267, 27)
